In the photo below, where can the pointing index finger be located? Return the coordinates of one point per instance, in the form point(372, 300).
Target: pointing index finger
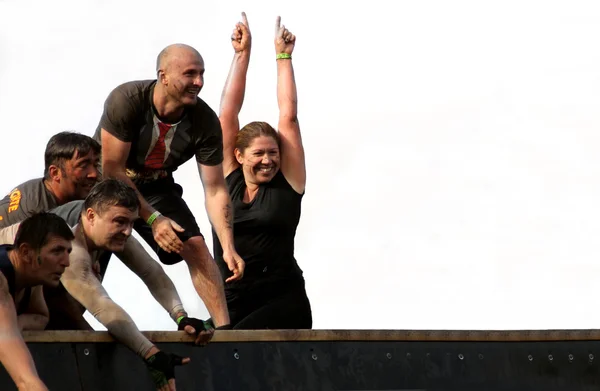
point(245, 19)
point(278, 26)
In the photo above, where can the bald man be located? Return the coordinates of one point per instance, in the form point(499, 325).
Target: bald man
point(147, 130)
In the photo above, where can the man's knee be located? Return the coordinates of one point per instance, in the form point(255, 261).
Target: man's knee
point(195, 251)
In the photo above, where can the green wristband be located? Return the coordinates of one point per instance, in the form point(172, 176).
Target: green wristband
point(153, 217)
point(179, 319)
point(283, 56)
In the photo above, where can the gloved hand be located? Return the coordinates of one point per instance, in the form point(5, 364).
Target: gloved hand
point(223, 327)
point(203, 330)
point(162, 369)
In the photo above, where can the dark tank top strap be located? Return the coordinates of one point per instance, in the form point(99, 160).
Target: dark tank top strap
point(7, 268)
point(24, 303)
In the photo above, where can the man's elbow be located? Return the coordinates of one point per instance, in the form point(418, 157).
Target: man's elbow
point(112, 169)
point(42, 322)
point(33, 322)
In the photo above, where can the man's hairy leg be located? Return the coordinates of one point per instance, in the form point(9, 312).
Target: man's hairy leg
point(206, 278)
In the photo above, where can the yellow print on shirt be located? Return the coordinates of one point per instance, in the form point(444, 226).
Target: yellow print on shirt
point(15, 200)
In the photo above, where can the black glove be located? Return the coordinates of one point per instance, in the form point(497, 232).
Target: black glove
point(198, 324)
point(224, 327)
point(162, 367)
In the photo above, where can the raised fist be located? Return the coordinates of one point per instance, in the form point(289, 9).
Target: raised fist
point(284, 39)
point(241, 38)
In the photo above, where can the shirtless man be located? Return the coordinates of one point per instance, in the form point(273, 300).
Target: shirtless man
point(38, 257)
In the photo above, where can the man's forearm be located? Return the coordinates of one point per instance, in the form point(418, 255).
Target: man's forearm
point(120, 325)
point(146, 210)
point(32, 321)
point(164, 292)
point(135, 257)
point(14, 354)
point(88, 291)
point(220, 213)
point(117, 322)
point(17, 360)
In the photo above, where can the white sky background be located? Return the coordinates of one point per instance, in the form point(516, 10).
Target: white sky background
point(452, 146)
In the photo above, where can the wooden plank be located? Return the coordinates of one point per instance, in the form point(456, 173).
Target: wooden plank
point(328, 335)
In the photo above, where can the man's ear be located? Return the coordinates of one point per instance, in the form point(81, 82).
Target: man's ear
point(90, 215)
point(55, 173)
point(27, 254)
point(162, 77)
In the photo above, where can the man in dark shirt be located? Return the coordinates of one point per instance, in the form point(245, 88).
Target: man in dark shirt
point(147, 130)
point(39, 256)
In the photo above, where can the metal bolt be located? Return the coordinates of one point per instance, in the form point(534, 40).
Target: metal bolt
point(570, 357)
point(314, 356)
point(460, 356)
point(236, 355)
point(530, 357)
point(86, 352)
point(480, 356)
point(550, 357)
point(591, 357)
point(389, 355)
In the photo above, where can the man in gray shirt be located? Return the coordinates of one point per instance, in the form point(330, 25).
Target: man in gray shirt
point(71, 170)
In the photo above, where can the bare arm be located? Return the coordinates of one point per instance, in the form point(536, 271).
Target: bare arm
point(137, 259)
point(220, 214)
point(37, 316)
point(234, 90)
point(292, 151)
point(114, 158)
point(218, 204)
point(79, 280)
point(14, 354)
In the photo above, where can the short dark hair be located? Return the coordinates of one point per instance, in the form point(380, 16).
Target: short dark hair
point(36, 230)
point(111, 192)
point(64, 145)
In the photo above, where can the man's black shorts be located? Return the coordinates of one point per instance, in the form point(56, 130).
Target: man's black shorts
point(165, 196)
